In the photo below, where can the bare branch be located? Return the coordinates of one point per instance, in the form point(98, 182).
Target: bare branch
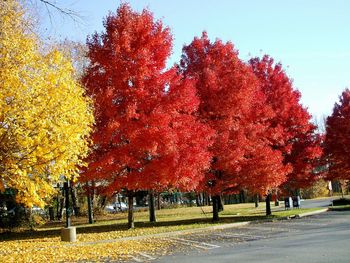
point(65, 11)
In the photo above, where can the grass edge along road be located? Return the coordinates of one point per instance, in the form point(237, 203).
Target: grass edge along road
point(123, 244)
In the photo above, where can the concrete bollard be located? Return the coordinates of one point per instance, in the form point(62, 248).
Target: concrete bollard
point(69, 234)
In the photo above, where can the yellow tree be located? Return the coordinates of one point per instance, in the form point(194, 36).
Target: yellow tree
point(45, 117)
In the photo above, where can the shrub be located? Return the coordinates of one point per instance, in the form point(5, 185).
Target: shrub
point(341, 201)
point(318, 189)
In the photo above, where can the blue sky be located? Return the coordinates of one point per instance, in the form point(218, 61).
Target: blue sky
point(311, 38)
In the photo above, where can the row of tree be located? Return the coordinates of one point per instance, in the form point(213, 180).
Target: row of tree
point(211, 123)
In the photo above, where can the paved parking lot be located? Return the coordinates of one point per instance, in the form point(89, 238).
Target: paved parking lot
point(319, 238)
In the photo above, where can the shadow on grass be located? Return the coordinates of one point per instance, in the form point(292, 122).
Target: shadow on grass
point(83, 229)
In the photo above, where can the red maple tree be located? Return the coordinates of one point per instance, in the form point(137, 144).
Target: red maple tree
point(291, 129)
point(146, 135)
point(337, 141)
point(232, 104)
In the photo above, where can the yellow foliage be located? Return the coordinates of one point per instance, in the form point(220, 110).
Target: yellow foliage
point(45, 117)
point(52, 250)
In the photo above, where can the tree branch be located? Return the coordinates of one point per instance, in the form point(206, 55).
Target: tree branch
point(64, 11)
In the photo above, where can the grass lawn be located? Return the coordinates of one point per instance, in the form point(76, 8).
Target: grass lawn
point(44, 243)
point(113, 226)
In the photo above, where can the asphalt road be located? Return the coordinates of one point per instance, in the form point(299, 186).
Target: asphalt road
point(319, 238)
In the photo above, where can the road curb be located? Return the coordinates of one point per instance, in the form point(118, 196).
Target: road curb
point(312, 213)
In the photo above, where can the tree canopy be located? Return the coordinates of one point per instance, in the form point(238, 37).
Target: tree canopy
point(232, 104)
point(291, 129)
point(45, 117)
point(147, 136)
point(337, 152)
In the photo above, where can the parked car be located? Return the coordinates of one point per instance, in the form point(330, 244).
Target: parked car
point(121, 206)
point(116, 207)
point(38, 211)
point(110, 208)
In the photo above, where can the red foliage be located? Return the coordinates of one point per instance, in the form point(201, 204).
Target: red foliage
point(292, 132)
point(146, 135)
point(337, 150)
point(232, 104)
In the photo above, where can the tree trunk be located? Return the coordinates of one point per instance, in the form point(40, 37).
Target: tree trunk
point(215, 200)
point(89, 203)
point(158, 201)
point(51, 213)
point(152, 212)
point(61, 206)
point(68, 209)
point(277, 202)
point(256, 199)
point(342, 191)
point(75, 203)
point(93, 196)
point(237, 199)
point(58, 203)
point(90, 213)
point(343, 187)
point(242, 196)
point(198, 203)
point(205, 200)
point(103, 201)
point(131, 223)
point(268, 205)
point(220, 203)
